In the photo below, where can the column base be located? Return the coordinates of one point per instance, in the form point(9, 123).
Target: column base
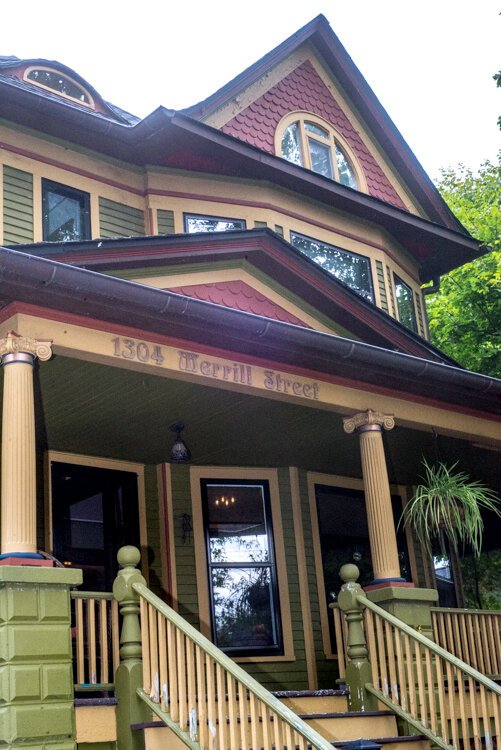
point(381, 583)
point(25, 558)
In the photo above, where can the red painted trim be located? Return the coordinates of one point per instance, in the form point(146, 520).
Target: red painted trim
point(67, 168)
point(140, 333)
point(203, 197)
point(168, 551)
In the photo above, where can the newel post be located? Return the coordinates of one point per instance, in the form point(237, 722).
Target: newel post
point(129, 675)
point(358, 668)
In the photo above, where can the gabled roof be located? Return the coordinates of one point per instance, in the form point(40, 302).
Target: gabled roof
point(261, 249)
point(320, 36)
point(31, 280)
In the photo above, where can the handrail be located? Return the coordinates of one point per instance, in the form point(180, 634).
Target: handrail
point(192, 684)
point(436, 689)
point(95, 640)
point(473, 635)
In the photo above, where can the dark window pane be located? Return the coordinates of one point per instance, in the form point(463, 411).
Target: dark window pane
point(320, 155)
point(60, 83)
point(65, 213)
point(195, 224)
point(237, 524)
point(346, 173)
point(291, 144)
point(405, 304)
point(353, 270)
point(312, 128)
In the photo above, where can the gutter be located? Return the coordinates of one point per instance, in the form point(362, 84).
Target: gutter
point(35, 280)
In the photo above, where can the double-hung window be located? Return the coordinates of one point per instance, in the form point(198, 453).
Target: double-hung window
point(352, 269)
point(65, 213)
point(241, 564)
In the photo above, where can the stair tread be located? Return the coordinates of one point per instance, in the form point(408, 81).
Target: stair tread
point(309, 693)
point(345, 714)
point(386, 740)
point(79, 702)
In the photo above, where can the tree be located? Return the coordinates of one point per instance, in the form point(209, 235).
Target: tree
point(465, 315)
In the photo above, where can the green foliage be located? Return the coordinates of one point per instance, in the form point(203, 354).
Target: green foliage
point(497, 78)
point(447, 506)
point(465, 315)
point(482, 580)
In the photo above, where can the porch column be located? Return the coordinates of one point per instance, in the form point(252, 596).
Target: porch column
point(18, 488)
point(382, 536)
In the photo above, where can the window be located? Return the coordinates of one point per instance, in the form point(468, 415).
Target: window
point(241, 564)
point(65, 213)
point(316, 147)
point(352, 269)
point(60, 83)
point(194, 223)
point(405, 304)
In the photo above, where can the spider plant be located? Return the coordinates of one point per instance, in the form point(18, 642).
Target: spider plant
point(448, 506)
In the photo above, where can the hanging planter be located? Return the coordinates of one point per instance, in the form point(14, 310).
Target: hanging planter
point(448, 506)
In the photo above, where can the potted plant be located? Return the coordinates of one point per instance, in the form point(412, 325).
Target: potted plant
point(448, 506)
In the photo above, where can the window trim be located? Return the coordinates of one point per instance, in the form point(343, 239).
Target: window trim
point(189, 215)
point(334, 480)
point(47, 69)
point(303, 115)
point(69, 192)
point(283, 600)
point(343, 250)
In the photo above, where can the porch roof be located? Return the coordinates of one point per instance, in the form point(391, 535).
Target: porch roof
point(38, 281)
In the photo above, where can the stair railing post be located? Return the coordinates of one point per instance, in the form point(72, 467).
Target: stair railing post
point(129, 676)
point(358, 668)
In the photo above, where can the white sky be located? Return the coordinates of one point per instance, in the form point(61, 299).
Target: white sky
point(430, 62)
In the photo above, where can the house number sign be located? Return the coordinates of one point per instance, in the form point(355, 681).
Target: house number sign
point(137, 350)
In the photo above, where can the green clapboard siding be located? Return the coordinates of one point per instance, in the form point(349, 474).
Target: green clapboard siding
point(17, 206)
point(382, 285)
point(153, 531)
point(165, 220)
point(118, 220)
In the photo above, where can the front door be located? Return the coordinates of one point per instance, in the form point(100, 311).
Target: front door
point(94, 513)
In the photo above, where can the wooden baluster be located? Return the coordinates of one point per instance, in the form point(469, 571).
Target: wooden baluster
point(431, 676)
point(277, 732)
point(202, 698)
point(154, 675)
point(91, 640)
point(232, 713)
point(192, 690)
point(442, 697)
point(115, 635)
point(484, 713)
point(458, 650)
point(452, 708)
point(221, 706)
point(80, 642)
point(244, 717)
point(265, 717)
point(382, 661)
point(421, 690)
point(372, 648)
point(404, 698)
point(477, 740)
point(103, 640)
point(172, 672)
point(254, 720)
point(474, 639)
point(391, 661)
point(211, 701)
point(288, 737)
point(163, 662)
point(496, 713)
point(465, 730)
point(485, 651)
point(338, 630)
point(145, 640)
point(411, 684)
point(494, 627)
point(181, 680)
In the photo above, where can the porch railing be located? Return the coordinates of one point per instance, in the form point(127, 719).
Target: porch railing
point(205, 697)
point(472, 635)
point(95, 635)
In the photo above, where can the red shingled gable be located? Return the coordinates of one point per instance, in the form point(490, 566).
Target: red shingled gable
point(239, 296)
point(304, 89)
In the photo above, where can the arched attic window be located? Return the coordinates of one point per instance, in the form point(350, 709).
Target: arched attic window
point(59, 83)
point(304, 139)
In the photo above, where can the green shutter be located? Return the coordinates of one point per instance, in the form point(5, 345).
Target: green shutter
point(260, 225)
point(165, 221)
point(118, 220)
point(382, 286)
point(279, 230)
point(17, 206)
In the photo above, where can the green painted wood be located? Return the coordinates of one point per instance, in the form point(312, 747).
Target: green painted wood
point(119, 220)
point(382, 286)
point(420, 316)
point(390, 291)
point(165, 221)
point(252, 685)
point(17, 206)
point(260, 224)
point(279, 230)
point(166, 719)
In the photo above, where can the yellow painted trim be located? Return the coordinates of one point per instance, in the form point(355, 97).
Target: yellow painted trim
point(169, 281)
point(95, 724)
point(98, 463)
point(300, 116)
point(333, 480)
point(224, 472)
point(89, 105)
point(97, 346)
point(165, 501)
point(304, 589)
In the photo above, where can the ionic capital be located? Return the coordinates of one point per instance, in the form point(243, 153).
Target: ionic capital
point(13, 343)
point(368, 420)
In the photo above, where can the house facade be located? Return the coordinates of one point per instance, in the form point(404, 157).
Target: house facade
point(241, 282)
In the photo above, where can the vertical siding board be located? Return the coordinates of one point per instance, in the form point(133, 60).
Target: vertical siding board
point(119, 220)
point(390, 292)
point(420, 316)
point(382, 286)
point(165, 221)
point(17, 206)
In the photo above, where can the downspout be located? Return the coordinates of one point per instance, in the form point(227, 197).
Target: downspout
point(434, 288)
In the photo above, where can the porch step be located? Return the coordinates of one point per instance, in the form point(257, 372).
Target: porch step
point(314, 701)
point(341, 726)
point(95, 720)
point(407, 742)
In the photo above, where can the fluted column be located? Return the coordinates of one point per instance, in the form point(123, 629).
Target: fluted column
point(18, 488)
point(382, 535)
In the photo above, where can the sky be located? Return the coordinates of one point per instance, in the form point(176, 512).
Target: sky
point(430, 63)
